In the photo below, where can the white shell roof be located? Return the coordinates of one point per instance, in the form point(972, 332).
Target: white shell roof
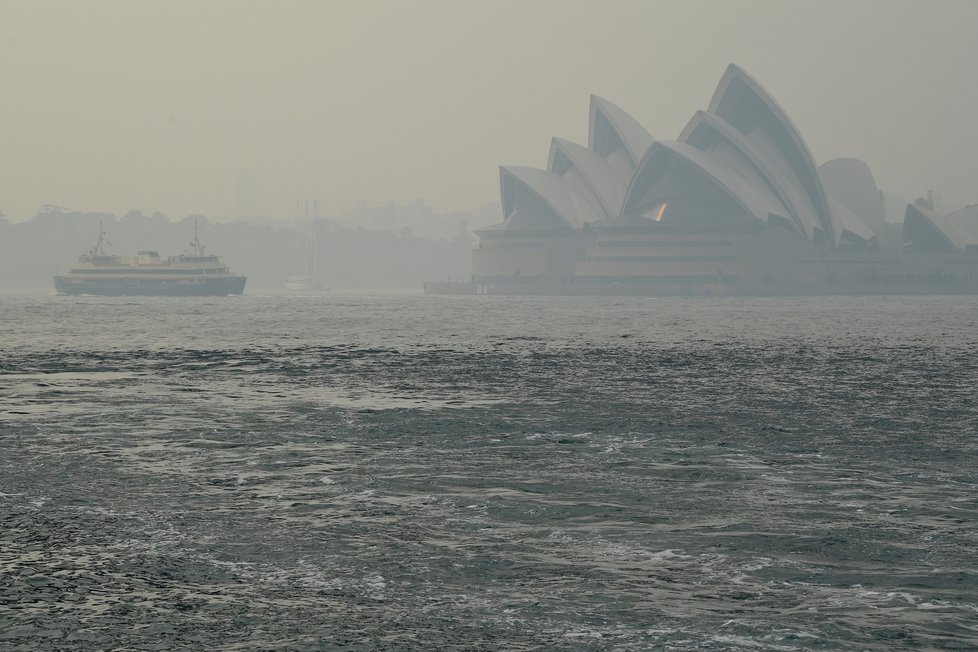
point(551, 188)
point(732, 184)
point(951, 234)
point(965, 221)
point(745, 146)
point(851, 182)
point(771, 177)
point(729, 94)
point(602, 181)
point(632, 134)
point(847, 221)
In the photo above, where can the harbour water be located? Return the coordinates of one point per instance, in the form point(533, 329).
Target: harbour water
point(395, 471)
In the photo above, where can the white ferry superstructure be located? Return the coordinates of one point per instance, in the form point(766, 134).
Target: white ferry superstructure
point(147, 274)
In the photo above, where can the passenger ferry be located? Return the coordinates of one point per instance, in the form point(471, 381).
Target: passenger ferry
point(196, 273)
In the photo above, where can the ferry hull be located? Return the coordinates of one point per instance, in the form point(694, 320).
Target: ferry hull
point(128, 287)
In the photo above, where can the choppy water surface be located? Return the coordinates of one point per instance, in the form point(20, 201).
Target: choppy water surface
point(410, 472)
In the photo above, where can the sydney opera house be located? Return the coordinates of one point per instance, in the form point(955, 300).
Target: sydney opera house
point(734, 205)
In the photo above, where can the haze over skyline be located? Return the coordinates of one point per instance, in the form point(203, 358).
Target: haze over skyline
point(235, 108)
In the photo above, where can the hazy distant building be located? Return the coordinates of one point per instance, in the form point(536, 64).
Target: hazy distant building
point(735, 205)
point(416, 218)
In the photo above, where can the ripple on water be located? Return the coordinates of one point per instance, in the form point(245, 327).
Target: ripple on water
point(561, 489)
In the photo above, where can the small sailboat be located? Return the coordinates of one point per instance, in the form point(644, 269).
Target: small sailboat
point(306, 277)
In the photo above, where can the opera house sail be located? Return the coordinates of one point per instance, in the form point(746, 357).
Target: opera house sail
point(736, 205)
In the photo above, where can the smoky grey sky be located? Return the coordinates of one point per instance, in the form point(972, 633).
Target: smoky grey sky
point(230, 108)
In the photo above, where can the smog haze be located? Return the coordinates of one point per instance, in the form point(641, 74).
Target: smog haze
point(237, 109)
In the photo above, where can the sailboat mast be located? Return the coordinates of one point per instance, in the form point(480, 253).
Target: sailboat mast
point(315, 239)
point(305, 242)
point(298, 242)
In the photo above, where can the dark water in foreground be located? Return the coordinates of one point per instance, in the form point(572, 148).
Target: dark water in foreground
point(410, 472)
